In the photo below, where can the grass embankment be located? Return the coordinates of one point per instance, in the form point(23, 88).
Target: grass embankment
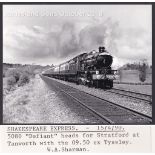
point(17, 77)
point(17, 86)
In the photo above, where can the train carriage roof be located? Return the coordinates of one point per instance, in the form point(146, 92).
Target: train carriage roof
point(73, 59)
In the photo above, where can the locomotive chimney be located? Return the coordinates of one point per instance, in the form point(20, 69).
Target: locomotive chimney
point(101, 49)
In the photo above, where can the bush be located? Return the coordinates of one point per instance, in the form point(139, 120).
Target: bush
point(11, 81)
point(13, 73)
point(142, 74)
point(24, 78)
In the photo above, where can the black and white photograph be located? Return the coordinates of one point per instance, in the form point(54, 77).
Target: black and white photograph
point(77, 64)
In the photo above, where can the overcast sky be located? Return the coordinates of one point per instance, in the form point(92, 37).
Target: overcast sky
point(52, 34)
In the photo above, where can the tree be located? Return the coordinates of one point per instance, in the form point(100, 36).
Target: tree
point(142, 70)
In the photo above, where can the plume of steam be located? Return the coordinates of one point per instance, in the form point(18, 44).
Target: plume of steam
point(103, 34)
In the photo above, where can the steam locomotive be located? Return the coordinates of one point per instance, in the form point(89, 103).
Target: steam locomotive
point(91, 69)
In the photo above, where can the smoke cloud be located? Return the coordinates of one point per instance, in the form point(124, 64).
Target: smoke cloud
point(60, 42)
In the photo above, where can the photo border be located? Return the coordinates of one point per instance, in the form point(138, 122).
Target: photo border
point(74, 3)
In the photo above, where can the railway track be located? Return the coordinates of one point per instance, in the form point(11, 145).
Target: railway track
point(107, 112)
point(131, 94)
